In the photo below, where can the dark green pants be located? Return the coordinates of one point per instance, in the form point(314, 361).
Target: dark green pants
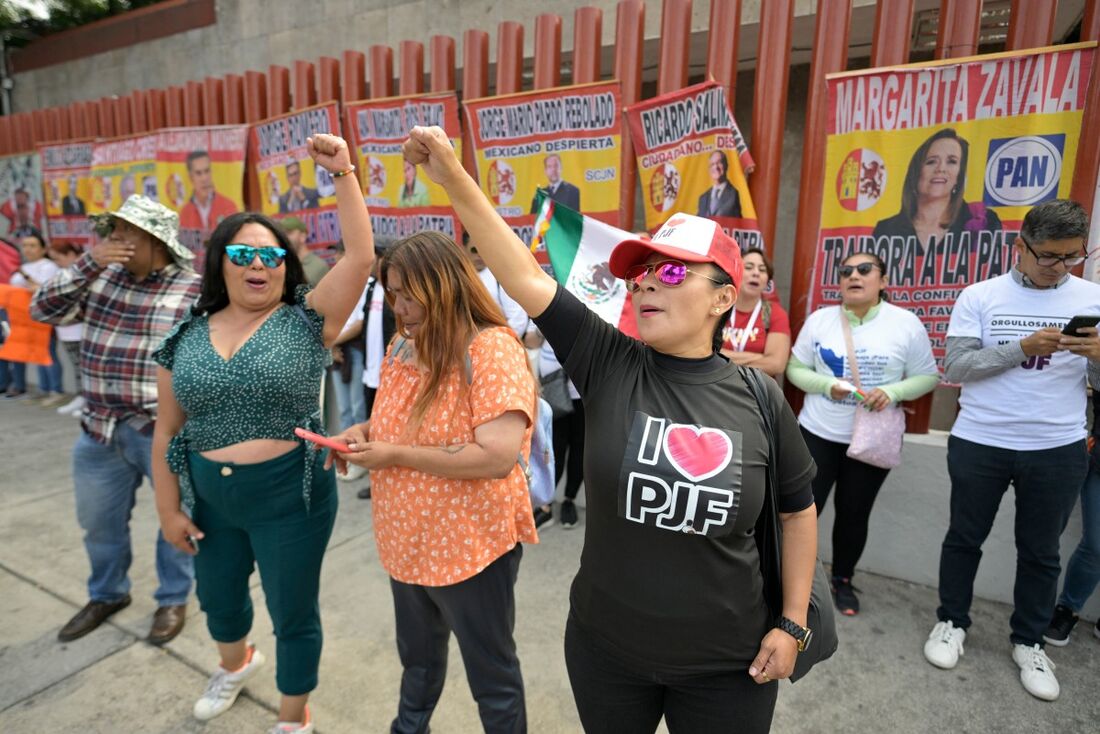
point(254, 514)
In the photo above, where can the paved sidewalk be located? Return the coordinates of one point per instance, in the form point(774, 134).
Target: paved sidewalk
point(111, 681)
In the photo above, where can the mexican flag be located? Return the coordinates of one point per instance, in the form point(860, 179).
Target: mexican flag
point(579, 248)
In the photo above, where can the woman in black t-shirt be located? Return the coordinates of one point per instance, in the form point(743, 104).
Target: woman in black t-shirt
point(667, 612)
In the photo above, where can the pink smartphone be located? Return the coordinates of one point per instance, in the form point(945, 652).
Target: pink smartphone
point(321, 440)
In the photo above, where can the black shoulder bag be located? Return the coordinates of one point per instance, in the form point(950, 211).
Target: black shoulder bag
point(769, 542)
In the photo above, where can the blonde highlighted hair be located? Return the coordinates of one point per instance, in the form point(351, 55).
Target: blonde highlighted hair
point(436, 273)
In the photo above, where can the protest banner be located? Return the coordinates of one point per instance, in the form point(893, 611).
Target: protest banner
point(67, 186)
point(201, 176)
point(692, 158)
point(566, 140)
point(122, 167)
point(402, 200)
point(21, 210)
point(290, 183)
point(933, 166)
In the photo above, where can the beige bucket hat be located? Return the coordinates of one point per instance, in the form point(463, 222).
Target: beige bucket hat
point(152, 217)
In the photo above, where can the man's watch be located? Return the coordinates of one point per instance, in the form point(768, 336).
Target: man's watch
point(802, 635)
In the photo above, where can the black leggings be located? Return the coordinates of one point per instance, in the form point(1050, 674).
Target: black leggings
point(569, 447)
point(615, 698)
point(857, 485)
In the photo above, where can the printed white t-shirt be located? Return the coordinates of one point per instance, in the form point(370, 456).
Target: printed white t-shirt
point(40, 270)
point(1040, 403)
point(889, 348)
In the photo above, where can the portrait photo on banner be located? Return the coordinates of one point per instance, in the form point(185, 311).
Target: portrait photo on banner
point(21, 209)
point(566, 142)
point(401, 198)
point(290, 184)
point(932, 167)
point(692, 158)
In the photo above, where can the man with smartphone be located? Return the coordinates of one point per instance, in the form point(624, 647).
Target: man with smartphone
point(1021, 422)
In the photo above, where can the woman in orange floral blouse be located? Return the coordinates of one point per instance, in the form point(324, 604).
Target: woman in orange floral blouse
point(451, 420)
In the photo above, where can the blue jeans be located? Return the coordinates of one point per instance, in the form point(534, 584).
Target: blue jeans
point(13, 376)
point(107, 478)
point(349, 396)
point(1083, 571)
point(49, 378)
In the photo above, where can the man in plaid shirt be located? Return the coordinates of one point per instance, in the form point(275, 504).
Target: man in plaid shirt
point(129, 291)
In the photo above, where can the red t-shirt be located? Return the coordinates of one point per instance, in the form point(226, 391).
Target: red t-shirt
point(777, 321)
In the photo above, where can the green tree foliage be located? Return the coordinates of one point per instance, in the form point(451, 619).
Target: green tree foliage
point(19, 26)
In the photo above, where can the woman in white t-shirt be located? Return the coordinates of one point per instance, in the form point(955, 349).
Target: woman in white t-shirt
point(33, 273)
point(895, 362)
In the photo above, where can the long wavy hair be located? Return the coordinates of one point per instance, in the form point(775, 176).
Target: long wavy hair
point(910, 197)
point(214, 297)
point(439, 277)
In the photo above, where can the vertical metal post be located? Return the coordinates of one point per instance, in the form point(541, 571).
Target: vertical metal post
point(443, 64)
point(587, 44)
point(1031, 24)
point(355, 76)
point(722, 41)
point(629, 43)
point(305, 86)
point(381, 71)
point(509, 57)
point(672, 73)
point(769, 114)
point(893, 28)
point(412, 68)
point(547, 51)
point(960, 28)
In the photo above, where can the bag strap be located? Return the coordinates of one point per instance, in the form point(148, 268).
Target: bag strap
point(768, 530)
point(852, 364)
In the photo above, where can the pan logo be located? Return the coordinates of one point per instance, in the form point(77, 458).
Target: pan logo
point(1023, 171)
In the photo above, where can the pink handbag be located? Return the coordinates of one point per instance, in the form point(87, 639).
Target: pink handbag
point(876, 435)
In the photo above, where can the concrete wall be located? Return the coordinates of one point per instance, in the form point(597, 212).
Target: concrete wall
point(253, 34)
point(910, 520)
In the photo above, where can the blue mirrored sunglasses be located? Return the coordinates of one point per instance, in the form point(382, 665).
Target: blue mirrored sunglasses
point(243, 255)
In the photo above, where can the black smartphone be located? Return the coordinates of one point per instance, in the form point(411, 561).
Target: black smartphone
point(1080, 322)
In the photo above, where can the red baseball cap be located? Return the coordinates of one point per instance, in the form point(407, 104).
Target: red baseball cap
point(683, 237)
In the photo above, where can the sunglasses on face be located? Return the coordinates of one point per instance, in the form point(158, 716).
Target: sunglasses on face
point(243, 255)
point(670, 273)
point(863, 269)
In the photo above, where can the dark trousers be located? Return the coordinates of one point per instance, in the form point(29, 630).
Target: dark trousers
point(369, 394)
point(481, 611)
point(616, 698)
point(1046, 486)
point(569, 449)
point(254, 515)
point(857, 486)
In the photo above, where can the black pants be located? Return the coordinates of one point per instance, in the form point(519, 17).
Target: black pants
point(615, 698)
point(569, 449)
point(857, 486)
point(482, 613)
point(368, 398)
point(1046, 485)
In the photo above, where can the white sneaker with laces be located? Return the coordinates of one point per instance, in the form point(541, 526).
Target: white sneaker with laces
point(72, 407)
point(945, 645)
point(293, 727)
point(224, 687)
point(1036, 672)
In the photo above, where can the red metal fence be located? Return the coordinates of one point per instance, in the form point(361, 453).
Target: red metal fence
point(255, 95)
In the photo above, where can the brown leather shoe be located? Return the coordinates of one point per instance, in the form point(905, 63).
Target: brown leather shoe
point(91, 616)
point(167, 623)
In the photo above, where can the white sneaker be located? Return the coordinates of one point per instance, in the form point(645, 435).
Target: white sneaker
point(293, 727)
point(354, 472)
point(73, 407)
point(1036, 672)
point(945, 645)
point(224, 687)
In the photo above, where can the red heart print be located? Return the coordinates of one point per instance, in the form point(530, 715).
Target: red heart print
point(697, 453)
